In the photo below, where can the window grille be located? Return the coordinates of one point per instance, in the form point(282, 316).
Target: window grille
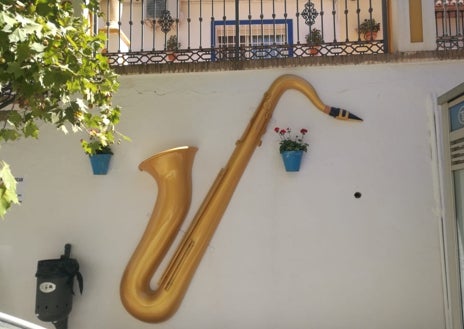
point(258, 39)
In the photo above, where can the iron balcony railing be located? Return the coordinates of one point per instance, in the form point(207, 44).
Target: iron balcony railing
point(162, 31)
point(449, 18)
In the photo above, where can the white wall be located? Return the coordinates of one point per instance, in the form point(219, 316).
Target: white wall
point(294, 250)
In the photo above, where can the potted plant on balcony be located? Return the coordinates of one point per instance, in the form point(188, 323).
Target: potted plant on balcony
point(291, 148)
point(368, 29)
point(314, 40)
point(172, 45)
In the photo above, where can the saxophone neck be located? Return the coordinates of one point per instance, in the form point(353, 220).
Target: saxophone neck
point(289, 81)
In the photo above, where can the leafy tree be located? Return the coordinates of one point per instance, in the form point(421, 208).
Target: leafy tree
point(52, 70)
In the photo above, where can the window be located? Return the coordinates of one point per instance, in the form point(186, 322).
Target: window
point(155, 8)
point(257, 39)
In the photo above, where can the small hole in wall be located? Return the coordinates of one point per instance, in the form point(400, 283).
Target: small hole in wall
point(357, 195)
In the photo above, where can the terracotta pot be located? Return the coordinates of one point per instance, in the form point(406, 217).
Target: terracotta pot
point(370, 36)
point(170, 57)
point(313, 51)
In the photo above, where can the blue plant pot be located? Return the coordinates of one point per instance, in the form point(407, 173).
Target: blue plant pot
point(100, 163)
point(292, 160)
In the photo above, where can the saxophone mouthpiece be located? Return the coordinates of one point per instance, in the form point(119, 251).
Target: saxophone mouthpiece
point(342, 114)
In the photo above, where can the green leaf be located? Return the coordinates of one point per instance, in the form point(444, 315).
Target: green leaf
point(7, 21)
point(37, 47)
point(8, 194)
point(15, 69)
point(14, 118)
point(9, 134)
point(31, 130)
point(56, 77)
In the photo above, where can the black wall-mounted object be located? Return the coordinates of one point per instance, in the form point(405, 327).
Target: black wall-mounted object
point(54, 292)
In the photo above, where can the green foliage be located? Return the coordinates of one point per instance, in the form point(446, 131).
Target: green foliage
point(172, 43)
point(289, 143)
point(95, 147)
point(315, 37)
point(53, 64)
point(369, 25)
point(8, 194)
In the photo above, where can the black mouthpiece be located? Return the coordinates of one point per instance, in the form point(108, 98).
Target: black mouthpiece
point(342, 114)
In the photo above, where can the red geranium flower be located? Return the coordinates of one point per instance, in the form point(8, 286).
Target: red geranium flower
point(287, 143)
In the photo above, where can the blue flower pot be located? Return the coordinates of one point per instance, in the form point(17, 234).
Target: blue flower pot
point(292, 160)
point(100, 163)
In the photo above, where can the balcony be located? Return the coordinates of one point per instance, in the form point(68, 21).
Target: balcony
point(449, 18)
point(186, 31)
point(194, 31)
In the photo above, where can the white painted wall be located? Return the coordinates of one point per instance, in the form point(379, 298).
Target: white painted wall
point(294, 250)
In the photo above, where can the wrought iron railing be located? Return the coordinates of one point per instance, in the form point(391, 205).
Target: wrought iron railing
point(449, 18)
point(163, 31)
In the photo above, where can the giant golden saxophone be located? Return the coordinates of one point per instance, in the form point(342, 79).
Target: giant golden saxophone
point(172, 171)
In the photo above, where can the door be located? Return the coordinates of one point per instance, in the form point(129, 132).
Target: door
point(452, 126)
